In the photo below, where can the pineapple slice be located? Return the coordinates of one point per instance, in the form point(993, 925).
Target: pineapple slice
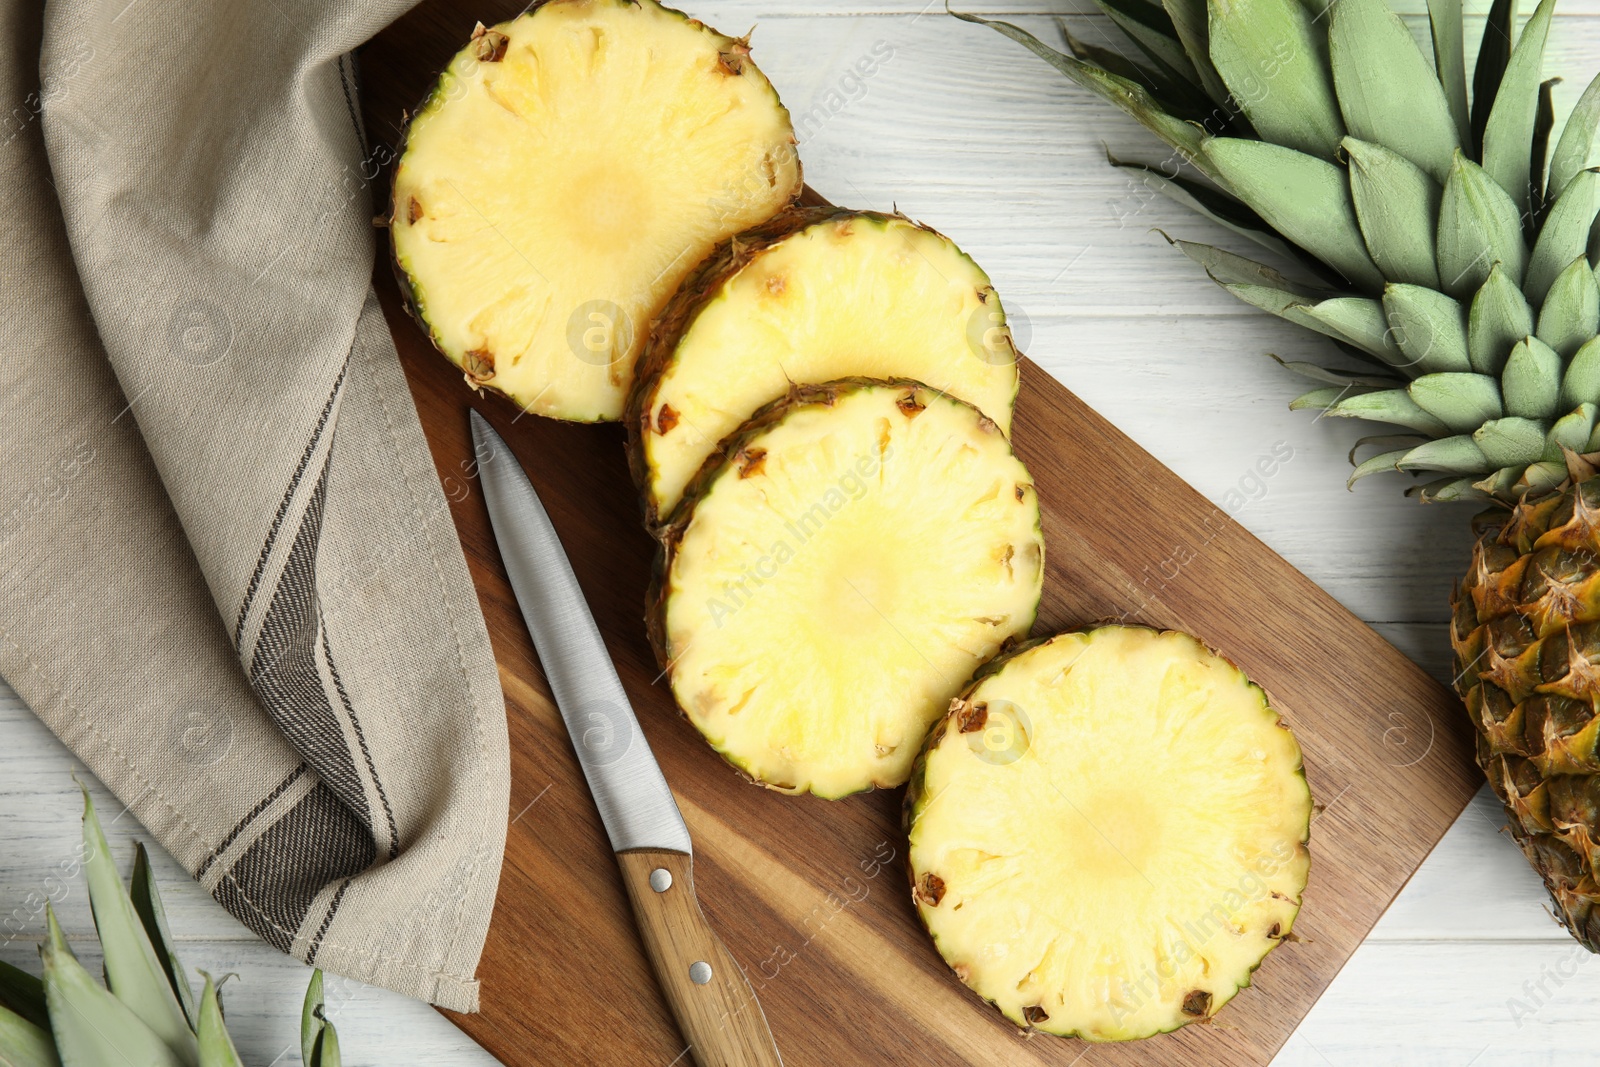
point(1108, 833)
point(835, 580)
point(568, 171)
point(816, 295)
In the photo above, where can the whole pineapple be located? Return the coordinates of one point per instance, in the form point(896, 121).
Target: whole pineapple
point(1454, 255)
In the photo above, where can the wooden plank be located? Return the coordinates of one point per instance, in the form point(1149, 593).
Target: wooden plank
point(1529, 1003)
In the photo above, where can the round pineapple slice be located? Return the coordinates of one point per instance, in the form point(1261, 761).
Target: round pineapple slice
point(815, 295)
point(569, 169)
point(832, 583)
point(1108, 833)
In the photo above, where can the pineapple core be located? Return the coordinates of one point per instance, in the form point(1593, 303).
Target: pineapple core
point(828, 590)
point(570, 169)
point(1108, 833)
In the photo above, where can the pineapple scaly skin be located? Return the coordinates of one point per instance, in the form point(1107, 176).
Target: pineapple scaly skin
point(1526, 631)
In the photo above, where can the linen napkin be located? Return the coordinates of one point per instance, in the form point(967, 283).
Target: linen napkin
point(229, 580)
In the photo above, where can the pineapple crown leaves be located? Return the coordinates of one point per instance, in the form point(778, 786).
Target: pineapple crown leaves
point(146, 1012)
point(1454, 252)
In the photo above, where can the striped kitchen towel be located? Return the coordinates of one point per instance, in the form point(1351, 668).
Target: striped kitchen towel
point(229, 580)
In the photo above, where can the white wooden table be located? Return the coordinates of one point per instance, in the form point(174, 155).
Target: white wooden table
point(963, 130)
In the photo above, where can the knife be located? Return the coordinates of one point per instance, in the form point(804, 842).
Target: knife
point(716, 1010)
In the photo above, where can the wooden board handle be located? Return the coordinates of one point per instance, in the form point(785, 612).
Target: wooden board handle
point(716, 1009)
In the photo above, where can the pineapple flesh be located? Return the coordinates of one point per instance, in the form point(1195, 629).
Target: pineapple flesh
point(1108, 833)
point(832, 582)
point(816, 295)
point(570, 168)
point(1447, 243)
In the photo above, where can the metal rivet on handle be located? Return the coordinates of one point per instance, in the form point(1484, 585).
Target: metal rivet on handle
point(661, 879)
point(700, 972)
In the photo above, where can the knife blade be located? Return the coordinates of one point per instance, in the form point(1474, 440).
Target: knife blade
point(715, 1008)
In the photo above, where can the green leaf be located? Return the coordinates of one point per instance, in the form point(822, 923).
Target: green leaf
point(1322, 399)
point(1388, 91)
point(24, 1044)
point(1539, 477)
point(1150, 29)
point(153, 917)
point(1356, 321)
point(1302, 197)
point(1393, 406)
point(326, 1053)
point(1565, 233)
point(1226, 268)
point(23, 994)
point(1397, 206)
point(92, 1028)
point(1575, 150)
point(1273, 59)
point(216, 1047)
point(1493, 53)
point(1581, 382)
point(1383, 461)
point(1449, 60)
point(1111, 61)
point(1359, 320)
point(1385, 441)
point(311, 1021)
point(1462, 402)
point(1502, 483)
point(1430, 328)
point(133, 972)
point(1132, 98)
point(1211, 203)
point(1544, 120)
point(1267, 298)
point(1451, 455)
point(1169, 90)
point(1478, 227)
point(1189, 23)
point(1571, 431)
point(1446, 491)
point(1571, 313)
point(1531, 380)
point(1508, 135)
point(1511, 442)
point(1334, 376)
point(319, 1041)
point(1499, 318)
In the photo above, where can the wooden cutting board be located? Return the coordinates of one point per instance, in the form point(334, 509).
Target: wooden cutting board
point(812, 896)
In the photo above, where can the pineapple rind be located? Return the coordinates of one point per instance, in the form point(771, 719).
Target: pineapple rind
point(1525, 633)
point(944, 811)
point(548, 156)
point(815, 294)
point(946, 530)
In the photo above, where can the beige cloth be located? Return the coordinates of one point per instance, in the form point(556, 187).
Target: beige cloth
point(228, 575)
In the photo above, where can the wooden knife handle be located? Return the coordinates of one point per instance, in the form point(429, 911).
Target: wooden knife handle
point(716, 1009)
